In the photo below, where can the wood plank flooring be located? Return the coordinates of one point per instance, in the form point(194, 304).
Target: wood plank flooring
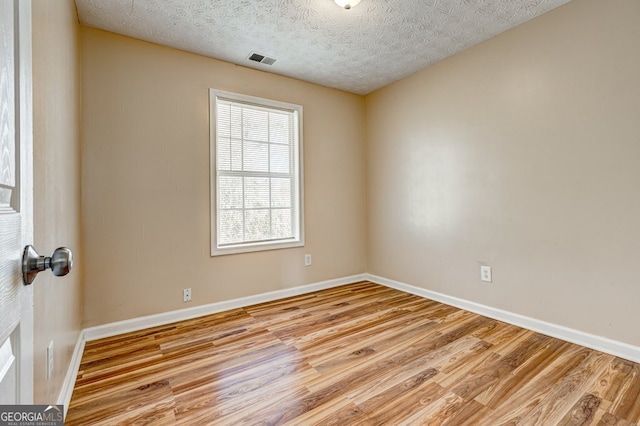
point(358, 354)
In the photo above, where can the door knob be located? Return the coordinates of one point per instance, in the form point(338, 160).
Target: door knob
point(60, 263)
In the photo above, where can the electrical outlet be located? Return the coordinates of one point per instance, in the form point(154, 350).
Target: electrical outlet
point(307, 260)
point(50, 360)
point(186, 295)
point(485, 273)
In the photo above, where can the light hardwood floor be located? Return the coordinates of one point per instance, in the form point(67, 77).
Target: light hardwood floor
point(356, 354)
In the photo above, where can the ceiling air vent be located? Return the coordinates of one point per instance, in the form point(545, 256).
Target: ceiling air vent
point(261, 58)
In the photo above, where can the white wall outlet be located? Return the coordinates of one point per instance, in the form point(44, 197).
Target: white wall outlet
point(485, 273)
point(307, 260)
point(186, 295)
point(50, 360)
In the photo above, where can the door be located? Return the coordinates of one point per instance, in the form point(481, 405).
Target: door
point(16, 227)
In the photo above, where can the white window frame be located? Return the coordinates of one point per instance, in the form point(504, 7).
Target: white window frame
point(245, 247)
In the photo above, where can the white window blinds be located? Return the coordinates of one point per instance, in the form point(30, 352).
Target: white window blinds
point(257, 174)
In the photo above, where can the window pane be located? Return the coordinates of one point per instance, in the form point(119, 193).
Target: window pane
point(223, 123)
point(236, 155)
point(256, 157)
point(236, 121)
point(281, 223)
point(279, 131)
point(230, 227)
point(280, 192)
point(256, 193)
point(224, 154)
point(280, 159)
point(257, 225)
point(229, 192)
point(256, 125)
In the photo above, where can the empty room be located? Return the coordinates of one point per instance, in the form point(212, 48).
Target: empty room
point(350, 212)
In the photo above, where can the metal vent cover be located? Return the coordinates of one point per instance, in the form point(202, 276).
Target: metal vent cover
point(256, 57)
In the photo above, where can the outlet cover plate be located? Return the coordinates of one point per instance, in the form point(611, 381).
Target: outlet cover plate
point(485, 273)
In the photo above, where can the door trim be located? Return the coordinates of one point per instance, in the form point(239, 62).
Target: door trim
point(25, 129)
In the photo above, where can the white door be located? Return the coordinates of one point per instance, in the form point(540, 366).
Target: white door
point(16, 218)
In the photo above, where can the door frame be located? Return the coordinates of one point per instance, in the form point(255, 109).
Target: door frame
point(24, 126)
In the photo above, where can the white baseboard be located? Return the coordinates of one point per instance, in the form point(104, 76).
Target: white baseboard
point(64, 398)
point(140, 323)
point(602, 344)
point(135, 324)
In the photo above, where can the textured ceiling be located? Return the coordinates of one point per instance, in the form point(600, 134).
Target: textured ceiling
point(357, 50)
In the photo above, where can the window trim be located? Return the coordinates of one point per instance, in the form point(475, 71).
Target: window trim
point(216, 250)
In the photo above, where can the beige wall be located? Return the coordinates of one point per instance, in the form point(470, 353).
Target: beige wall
point(522, 153)
point(146, 181)
point(56, 100)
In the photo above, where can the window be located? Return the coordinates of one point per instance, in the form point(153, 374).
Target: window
point(256, 173)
